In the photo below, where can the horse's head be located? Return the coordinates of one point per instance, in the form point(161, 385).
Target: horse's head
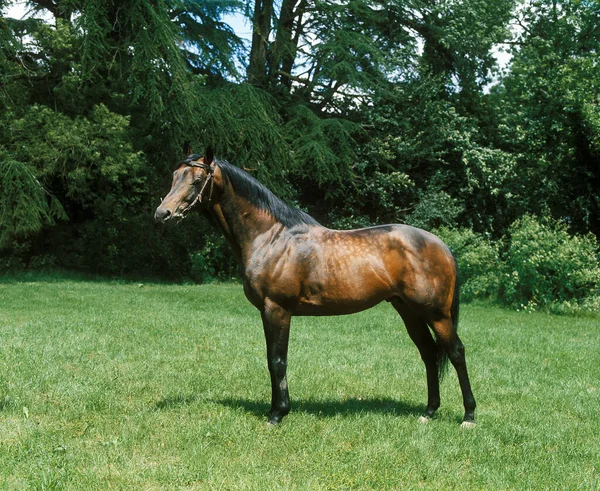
point(192, 184)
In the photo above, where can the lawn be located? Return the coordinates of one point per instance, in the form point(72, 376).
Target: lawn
point(126, 386)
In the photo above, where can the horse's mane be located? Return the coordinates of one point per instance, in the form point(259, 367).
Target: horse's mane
point(259, 195)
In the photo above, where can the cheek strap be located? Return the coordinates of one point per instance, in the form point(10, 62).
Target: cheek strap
point(198, 198)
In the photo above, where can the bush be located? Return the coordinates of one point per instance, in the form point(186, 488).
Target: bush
point(435, 208)
point(214, 261)
point(478, 261)
point(547, 267)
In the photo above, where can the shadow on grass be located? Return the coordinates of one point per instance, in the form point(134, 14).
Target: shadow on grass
point(331, 408)
point(322, 409)
point(173, 402)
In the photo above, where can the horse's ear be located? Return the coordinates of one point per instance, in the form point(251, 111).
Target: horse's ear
point(209, 156)
point(187, 149)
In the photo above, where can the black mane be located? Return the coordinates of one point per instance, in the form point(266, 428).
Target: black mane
point(259, 195)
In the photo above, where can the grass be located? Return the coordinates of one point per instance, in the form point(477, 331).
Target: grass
point(110, 385)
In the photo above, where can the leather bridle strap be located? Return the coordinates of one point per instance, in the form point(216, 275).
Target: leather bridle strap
point(209, 177)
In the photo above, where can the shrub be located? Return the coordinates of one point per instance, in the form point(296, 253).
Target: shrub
point(478, 261)
point(547, 267)
point(214, 261)
point(435, 208)
point(350, 222)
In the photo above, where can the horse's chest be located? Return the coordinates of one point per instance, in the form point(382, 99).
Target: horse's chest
point(253, 294)
point(278, 279)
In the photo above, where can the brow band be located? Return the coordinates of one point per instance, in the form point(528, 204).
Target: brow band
point(197, 164)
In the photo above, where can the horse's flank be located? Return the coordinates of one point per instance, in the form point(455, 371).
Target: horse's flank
point(313, 270)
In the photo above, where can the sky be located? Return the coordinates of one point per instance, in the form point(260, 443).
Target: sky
point(240, 25)
point(18, 10)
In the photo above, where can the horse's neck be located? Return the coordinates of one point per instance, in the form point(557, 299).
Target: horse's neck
point(243, 224)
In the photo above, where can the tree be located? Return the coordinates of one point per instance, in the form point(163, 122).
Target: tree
point(96, 105)
point(362, 111)
point(550, 113)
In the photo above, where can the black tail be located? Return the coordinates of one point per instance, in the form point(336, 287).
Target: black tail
point(442, 354)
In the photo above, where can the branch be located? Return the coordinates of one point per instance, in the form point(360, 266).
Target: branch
point(513, 43)
point(58, 11)
point(26, 76)
point(48, 5)
point(304, 81)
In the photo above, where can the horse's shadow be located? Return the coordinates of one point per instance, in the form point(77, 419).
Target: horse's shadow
point(320, 408)
point(329, 408)
point(175, 401)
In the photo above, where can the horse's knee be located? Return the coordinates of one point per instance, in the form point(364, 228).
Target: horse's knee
point(278, 366)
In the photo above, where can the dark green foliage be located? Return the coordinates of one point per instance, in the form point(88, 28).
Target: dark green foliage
point(89, 161)
point(435, 208)
point(25, 206)
point(211, 47)
point(213, 261)
point(546, 266)
point(549, 112)
point(243, 126)
point(360, 112)
point(322, 146)
point(478, 259)
point(537, 265)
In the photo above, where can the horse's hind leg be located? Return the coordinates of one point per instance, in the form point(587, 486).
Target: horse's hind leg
point(421, 336)
point(449, 340)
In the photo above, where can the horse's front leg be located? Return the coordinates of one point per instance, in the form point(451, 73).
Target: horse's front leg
point(276, 323)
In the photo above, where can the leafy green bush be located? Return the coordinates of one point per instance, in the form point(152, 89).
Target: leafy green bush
point(478, 261)
point(546, 267)
point(350, 222)
point(435, 208)
point(214, 261)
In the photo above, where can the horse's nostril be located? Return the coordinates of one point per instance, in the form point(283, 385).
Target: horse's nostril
point(162, 214)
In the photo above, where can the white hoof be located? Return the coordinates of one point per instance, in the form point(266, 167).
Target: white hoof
point(468, 424)
point(423, 420)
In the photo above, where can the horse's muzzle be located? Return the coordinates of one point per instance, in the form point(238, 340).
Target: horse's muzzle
point(162, 214)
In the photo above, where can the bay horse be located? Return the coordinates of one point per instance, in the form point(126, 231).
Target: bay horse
point(292, 265)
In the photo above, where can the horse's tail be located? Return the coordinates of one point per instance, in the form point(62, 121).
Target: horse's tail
point(442, 354)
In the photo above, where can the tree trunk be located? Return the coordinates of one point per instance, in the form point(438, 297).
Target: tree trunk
point(257, 68)
point(284, 46)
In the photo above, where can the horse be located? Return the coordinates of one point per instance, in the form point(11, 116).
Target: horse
point(292, 265)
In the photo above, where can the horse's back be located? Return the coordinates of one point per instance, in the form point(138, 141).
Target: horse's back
point(404, 240)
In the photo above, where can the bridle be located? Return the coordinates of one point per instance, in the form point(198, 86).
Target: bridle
point(209, 177)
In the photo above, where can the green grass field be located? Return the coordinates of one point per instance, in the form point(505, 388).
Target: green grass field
point(110, 385)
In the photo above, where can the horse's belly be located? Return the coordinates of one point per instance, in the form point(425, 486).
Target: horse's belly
point(342, 296)
point(310, 308)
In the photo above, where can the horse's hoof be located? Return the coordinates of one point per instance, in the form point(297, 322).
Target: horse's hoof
point(468, 424)
point(424, 420)
point(274, 421)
